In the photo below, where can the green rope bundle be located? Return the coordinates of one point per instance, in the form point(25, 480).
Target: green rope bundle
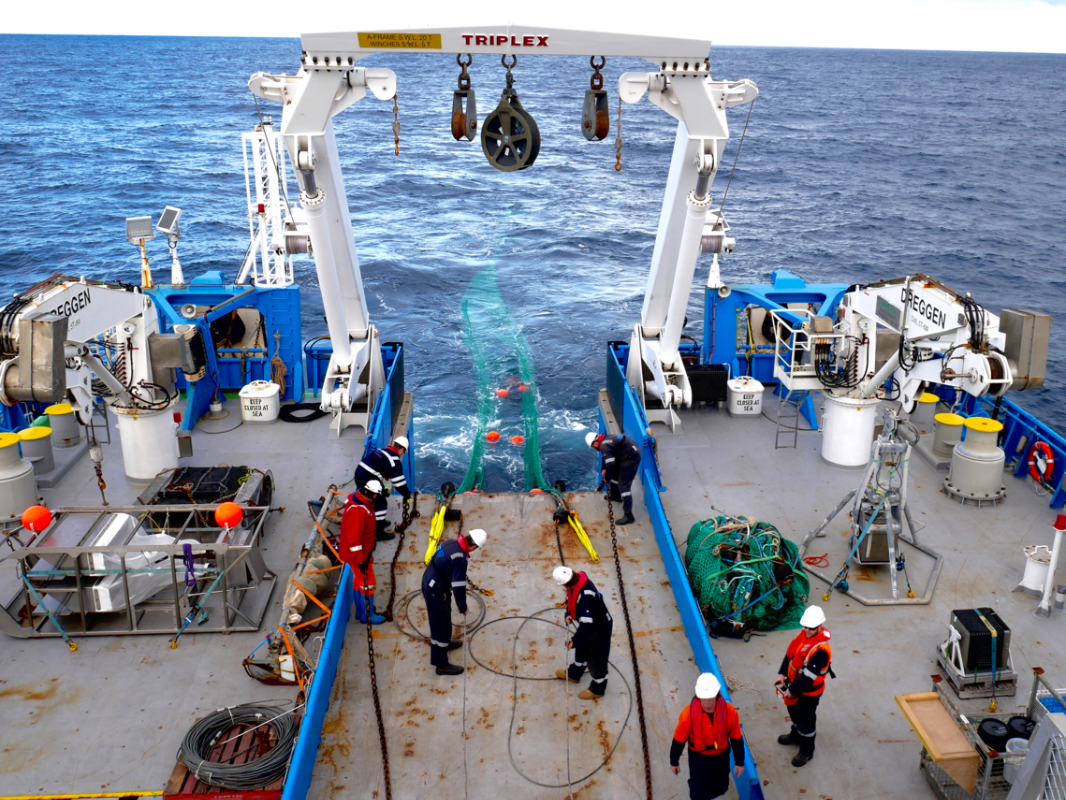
point(731, 566)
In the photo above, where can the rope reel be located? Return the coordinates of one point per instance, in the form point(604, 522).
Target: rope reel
point(510, 137)
point(596, 115)
point(464, 107)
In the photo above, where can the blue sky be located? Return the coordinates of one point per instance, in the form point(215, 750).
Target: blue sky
point(1002, 25)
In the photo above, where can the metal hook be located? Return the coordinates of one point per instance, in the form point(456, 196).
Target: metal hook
point(592, 63)
point(459, 60)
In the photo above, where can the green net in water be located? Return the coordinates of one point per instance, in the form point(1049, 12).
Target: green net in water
point(501, 356)
point(738, 565)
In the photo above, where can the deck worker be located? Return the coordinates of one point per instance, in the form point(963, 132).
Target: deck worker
point(621, 460)
point(591, 642)
point(384, 465)
point(711, 727)
point(358, 531)
point(801, 681)
point(446, 577)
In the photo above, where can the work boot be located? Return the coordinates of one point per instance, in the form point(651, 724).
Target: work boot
point(787, 738)
point(385, 537)
point(360, 607)
point(375, 619)
point(454, 646)
point(450, 669)
point(626, 520)
point(800, 759)
point(586, 694)
point(563, 675)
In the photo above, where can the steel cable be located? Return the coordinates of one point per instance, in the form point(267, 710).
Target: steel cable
point(255, 773)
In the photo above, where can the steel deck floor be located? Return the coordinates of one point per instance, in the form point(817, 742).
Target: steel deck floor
point(110, 716)
point(865, 748)
point(424, 713)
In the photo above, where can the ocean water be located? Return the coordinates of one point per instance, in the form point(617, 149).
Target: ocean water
point(857, 165)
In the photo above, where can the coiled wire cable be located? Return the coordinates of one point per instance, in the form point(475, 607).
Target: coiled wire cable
point(255, 773)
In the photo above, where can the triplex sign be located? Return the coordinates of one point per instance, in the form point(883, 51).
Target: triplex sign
point(478, 40)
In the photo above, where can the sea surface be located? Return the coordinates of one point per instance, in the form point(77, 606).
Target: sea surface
point(856, 166)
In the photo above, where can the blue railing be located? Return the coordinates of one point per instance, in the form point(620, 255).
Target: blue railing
point(634, 424)
point(1021, 430)
point(305, 752)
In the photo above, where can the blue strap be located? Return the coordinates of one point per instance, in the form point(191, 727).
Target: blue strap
point(190, 565)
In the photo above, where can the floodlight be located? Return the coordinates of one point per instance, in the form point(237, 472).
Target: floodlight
point(139, 228)
point(168, 220)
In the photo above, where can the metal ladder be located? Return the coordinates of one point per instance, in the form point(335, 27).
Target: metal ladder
point(788, 417)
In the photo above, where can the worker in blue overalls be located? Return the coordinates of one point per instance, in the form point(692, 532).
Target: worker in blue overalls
point(591, 642)
point(383, 465)
point(444, 578)
point(621, 460)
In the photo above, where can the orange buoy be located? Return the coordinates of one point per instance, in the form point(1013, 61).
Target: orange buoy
point(229, 515)
point(492, 436)
point(502, 393)
point(523, 388)
point(536, 491)
point(36, 518)
point(517, 439)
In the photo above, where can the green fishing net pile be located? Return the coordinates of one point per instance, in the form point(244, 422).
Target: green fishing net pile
point(501, 356)
point(731, 564)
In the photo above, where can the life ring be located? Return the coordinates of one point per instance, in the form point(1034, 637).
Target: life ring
point(1041, 452)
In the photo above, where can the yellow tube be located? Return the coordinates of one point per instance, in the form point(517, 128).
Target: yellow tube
point(583, 537)
point(78, 796)
point(436, 530)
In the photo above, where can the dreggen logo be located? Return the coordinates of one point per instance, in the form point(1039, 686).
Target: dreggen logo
point(495, 41)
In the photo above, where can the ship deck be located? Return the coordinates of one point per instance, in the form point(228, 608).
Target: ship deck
point(512, 750)
point(865, 748)
point(110, 716)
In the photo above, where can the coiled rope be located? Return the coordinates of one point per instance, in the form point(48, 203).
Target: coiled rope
point(256, 773)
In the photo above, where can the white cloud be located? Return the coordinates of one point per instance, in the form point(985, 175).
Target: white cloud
point(1003, 25)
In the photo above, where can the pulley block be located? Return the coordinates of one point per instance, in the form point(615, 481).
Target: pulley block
point(464, 106)
point(596, 115)
point(510, 137)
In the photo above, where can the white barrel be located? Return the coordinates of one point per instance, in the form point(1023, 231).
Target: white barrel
point(977, 462)
point(848, 430)
point(744, 397)
point(149, 441)
point(946, 434)
point(18, 487)
point(1017, 750)
point(66, 432)
point(36, 446)
point(260, 401)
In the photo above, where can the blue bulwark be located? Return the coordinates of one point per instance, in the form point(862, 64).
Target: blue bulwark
point(305, 752)
point(627, 410)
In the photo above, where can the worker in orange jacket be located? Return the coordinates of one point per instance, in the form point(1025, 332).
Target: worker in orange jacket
point(358, 536)
point(711, 728)
point(801, 681)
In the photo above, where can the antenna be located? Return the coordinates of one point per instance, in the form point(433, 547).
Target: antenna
point(139, 229)
point(168, 224)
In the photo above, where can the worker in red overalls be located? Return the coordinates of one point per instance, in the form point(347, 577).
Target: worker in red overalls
point(358, 535)
point(711, 727)
point(801, 681)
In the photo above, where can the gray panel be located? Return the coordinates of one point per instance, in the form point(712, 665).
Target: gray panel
point(1028, 334)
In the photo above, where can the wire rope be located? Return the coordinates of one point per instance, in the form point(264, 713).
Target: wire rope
point(256, 773)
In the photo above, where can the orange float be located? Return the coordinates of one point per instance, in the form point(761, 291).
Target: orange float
point(517, 439)
point(502, 393)
point(523, 388)
point(229, 515)
point(36, 518)
point(492, 436)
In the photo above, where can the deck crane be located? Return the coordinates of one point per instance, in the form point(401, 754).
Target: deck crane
point(688, 226)
point(79, 340)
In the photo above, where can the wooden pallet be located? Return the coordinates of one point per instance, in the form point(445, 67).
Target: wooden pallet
point(980, 685)
point(183, 784)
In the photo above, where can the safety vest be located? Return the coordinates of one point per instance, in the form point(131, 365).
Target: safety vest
point(573, 592)
point(799, 654)
point(710, 735)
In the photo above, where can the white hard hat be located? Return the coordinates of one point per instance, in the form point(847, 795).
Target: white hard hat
point(478, 536)
point(812, 617)
point(401, 441)
point(372, 486)
point(590, 438)
point(562, 575)
point(707, 686)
